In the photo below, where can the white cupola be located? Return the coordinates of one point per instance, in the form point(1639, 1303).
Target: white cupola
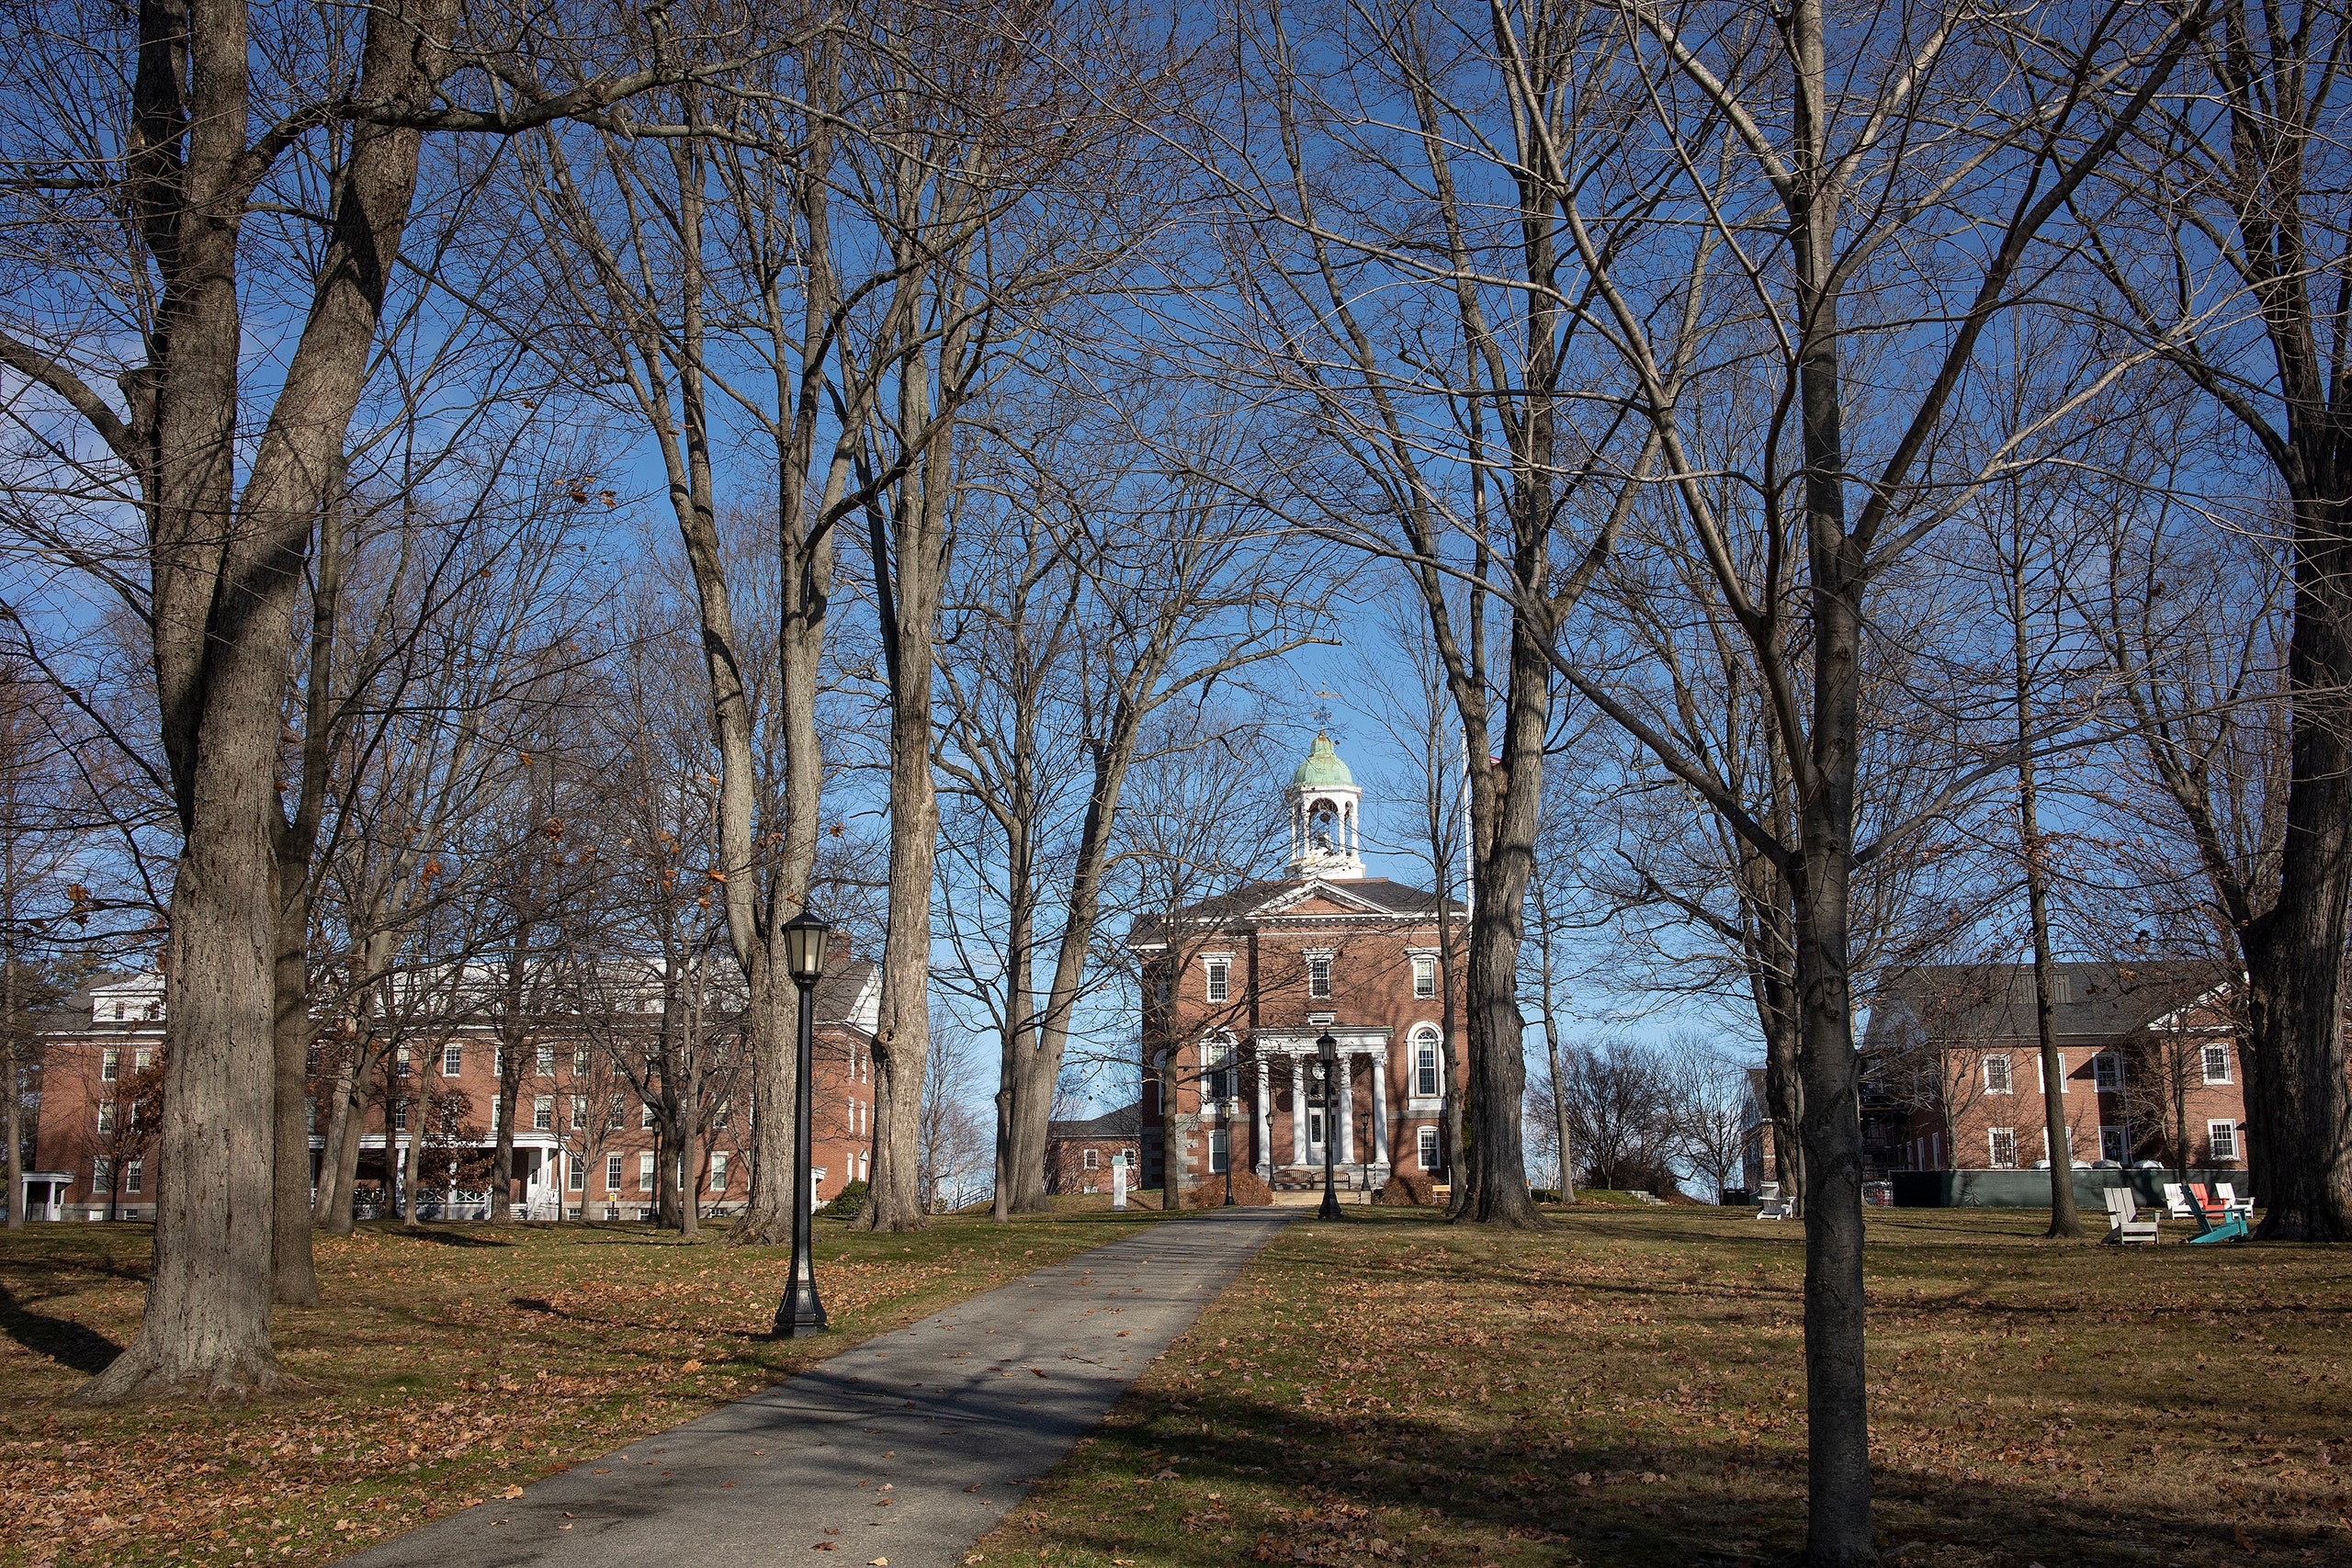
point(1325, 836)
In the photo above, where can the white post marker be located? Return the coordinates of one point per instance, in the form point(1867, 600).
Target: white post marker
point(1118, 1182)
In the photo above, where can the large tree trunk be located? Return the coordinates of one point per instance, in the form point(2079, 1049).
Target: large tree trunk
point(1838, 1465)
point(294, 1276)
point(902, 1043)
point(226, 581)
point(2297, 957)
point(1498, 1156)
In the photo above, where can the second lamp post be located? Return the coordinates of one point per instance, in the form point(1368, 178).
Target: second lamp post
point(801, 1313)
point(1327, 1066)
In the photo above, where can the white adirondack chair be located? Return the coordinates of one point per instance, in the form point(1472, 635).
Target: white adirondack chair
point(2124, 1218)
point(2176, 1201)
point(2230, 1203)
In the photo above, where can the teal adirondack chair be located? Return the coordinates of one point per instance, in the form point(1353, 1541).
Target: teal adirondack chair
point(2232, 1227)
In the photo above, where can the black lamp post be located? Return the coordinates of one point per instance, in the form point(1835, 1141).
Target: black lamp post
point(1326, 1068)
point(801, 1314)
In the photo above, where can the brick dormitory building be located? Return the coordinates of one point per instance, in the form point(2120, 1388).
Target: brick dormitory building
point(1237, 989)
point(583, 1140)
point(2150, 1073)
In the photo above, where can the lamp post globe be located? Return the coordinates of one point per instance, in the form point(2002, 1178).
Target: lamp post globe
point(1327, 1071)
point(801, 1313)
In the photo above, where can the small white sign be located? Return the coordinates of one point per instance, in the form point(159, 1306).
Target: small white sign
point(1118, 1182)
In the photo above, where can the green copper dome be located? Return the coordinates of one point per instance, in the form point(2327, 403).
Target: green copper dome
point(1322, 769)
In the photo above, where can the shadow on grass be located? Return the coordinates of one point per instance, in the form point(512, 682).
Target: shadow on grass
point(1647, 1504)
point(446, 1238)
point(68, 1344)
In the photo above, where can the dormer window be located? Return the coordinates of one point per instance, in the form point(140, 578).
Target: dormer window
point(1220, 979)
point(1318, 974)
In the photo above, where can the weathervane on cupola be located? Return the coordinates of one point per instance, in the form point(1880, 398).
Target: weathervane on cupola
point(1326, 836)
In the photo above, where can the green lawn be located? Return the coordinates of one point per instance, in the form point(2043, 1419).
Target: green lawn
point(1626, 1389)
point(447, 1366)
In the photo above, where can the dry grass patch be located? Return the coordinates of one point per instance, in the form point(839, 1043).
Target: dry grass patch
point(457, 1363)
point(1626, 1389)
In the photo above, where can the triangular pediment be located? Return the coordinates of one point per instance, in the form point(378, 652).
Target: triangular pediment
point(1316, 896)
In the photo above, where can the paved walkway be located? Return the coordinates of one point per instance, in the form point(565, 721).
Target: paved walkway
point(909, 1446)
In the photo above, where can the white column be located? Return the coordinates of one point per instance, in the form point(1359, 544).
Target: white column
point(1380, 1109)
point(1299, 1110)
point(1264, 1162)
point(1347, 1152)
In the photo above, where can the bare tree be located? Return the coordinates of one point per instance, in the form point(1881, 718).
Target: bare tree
point(1118, 576)
point(2217, 231)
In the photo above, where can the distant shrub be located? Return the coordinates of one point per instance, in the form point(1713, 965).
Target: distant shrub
point(1250, 1191)
point(1542, 1195)
point(847, 1202)
point(1405, 1188)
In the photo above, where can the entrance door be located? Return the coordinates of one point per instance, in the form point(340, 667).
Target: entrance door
point(1314, 1136)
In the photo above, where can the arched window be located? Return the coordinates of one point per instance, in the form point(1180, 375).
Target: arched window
point(1425, 1077)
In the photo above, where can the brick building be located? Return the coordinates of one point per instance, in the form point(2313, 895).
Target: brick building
point(1081, 1152)
point(584, 1144)
point(2149, 1062)
point(1239, 988)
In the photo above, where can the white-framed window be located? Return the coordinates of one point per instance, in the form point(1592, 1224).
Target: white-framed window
point(1424, 977)
point(1427, 1141)
point(1220, 1152)
point(863, 1162)
point(102, 1175)
point(2217, 1064)
point(1220, 979)
point(2115, 1143)
point(2221, 1138)
point(452, 1060)
point(400, 1063)
point(1425, 1064)
point(1997, 1073)
point(1089, 1160)
point(142, 1059)
point(2070, 1145)
point(2106, 1072)
point(718, 1172)
point(645, 1117)
point(132, 1173)
point(400, 1116)
point(1220, 1080)
point(109, 1064)
point(497, 1112)
point(579, 1112)
point(576, 1170)
point(105, 1117)
point(2042, 1077)
point(720, 1117)
point(645, 1172)
point(2004, 1142)
point(611, 1173)
point(543, 1114)
point(1318, 974)
point(579, 1061)
point(616, 1120)
point(545, 1060)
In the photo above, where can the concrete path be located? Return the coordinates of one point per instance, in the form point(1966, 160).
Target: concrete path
point(909, 1446)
